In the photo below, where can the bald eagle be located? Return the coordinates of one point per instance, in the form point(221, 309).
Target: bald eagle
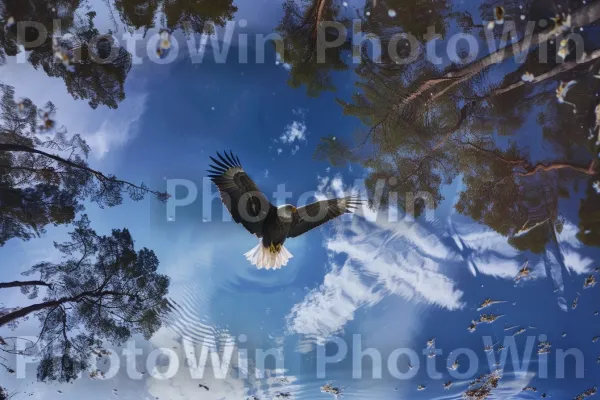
point(272, 225)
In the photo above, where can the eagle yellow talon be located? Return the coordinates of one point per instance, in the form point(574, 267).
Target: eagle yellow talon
point(278, 247)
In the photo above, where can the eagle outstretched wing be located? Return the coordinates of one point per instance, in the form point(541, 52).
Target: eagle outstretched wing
point(245, 202)
point(316, 214)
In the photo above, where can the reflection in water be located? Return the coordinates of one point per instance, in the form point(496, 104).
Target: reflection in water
point(425, 134)
point(84, 77)
point(517, 132)
point(186, 320)
point(190, 15)
point(299, 29)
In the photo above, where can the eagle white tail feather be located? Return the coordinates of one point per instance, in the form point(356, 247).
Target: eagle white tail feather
point(263, 258)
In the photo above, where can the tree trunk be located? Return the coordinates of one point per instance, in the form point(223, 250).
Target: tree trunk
point(4, 285)
point(553, 72)
point(318, 16)
point(25, 311)
point(25, 149)
point(585, 169)
point(539, 167)
point(97, 174)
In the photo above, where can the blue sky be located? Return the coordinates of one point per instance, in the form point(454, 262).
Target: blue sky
point(397, 284)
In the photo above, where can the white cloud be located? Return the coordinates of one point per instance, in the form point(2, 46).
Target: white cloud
point(104, 129)
point(279, 150)
point(116, 131)
point(571, 249)
point(326, 310)
point(490, 253)
point(382, 258)
point(296, 131)
point(487, 252)
point(279, 61)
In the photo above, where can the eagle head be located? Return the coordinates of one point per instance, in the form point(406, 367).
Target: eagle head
point(286, 211)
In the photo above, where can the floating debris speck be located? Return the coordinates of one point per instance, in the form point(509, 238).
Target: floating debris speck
point(587, 393)
point(488, 302)
point(523, 272)
point(447, 385)
point(482, 387)
point(562, 23)
point(562, 90)
point(392, 13)
point(454, 366)
point(529, 389)
point(47, 122)
point(590, 281)
point(431, 343)
point(10, 21)
point(472, 327)
point(499, 15)
point(421, 387)
point(544, 347)
point(575, 302)
point(527, 77)
point(328, 388)
point(165, 40)
point(489, 318)
point(519, 332)
point(490, 348)
point(594, 340)
point(563, 52)
point(596, 186)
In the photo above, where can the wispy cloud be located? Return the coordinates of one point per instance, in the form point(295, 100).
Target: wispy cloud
point(294, 132)
point(279, 61)
point(118, 130)
point(104, 129)
point(401, 259)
